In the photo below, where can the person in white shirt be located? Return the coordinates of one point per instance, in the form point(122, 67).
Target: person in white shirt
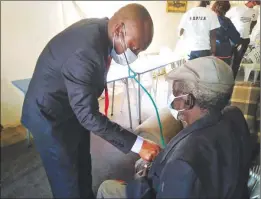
point(198, 27)
point(244, 17)
point(255, 34)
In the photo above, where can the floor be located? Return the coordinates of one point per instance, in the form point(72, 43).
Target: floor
point(22, 173)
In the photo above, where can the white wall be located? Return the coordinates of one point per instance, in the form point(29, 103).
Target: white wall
point(26, 26)
point(165, 24)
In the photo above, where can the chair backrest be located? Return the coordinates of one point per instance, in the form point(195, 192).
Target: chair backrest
point(254, 56)
point(257, 40)
point(254, 182)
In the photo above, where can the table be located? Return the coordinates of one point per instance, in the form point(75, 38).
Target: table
point(148, 64)
point(117, 73)
point(23, 85)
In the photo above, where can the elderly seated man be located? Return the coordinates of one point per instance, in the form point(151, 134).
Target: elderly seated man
point(210, 157)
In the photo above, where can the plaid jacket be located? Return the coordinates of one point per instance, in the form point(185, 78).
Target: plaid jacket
point(246, 96)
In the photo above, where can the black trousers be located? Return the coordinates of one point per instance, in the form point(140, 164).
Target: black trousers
point(65, 155)
point(238, 54)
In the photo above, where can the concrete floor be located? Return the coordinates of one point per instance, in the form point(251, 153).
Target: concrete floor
point(22, 173)
point(23, 176)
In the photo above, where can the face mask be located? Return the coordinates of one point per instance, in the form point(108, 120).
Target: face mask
point(120, 58)
point(173, 111)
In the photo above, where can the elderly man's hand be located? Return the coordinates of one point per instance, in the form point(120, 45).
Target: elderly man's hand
point(149, 150)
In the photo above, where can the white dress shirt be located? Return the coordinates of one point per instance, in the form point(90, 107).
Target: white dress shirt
point(137, 145)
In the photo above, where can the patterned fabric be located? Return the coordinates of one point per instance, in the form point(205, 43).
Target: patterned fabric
point(246, 96)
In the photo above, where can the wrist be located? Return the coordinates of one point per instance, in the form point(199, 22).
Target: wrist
point(136, 148)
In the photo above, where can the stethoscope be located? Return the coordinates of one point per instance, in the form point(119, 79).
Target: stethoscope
point(133, 74)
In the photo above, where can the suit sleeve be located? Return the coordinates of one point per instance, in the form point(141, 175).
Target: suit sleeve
point(178, 180)
point(79, 74)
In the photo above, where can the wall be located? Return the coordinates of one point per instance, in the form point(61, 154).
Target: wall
point(26, 26)
point(165, 24)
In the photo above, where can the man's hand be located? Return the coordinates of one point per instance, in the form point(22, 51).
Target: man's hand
point(149, 150)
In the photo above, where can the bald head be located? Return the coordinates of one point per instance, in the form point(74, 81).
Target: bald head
point(131, 25)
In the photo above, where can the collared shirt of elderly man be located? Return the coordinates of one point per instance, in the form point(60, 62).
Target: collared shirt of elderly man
point(209, 158)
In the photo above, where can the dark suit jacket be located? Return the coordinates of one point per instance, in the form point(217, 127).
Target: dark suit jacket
point(209, 159)
point(69, 76)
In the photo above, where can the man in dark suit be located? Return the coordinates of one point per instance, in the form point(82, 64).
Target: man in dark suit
point(210, 157)
point(61, 105)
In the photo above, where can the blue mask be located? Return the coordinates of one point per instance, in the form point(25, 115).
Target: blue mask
point(120, 58)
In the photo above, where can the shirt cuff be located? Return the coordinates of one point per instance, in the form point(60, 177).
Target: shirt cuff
point(137, 145)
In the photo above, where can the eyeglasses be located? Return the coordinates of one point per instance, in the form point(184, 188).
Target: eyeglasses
point(182, 102)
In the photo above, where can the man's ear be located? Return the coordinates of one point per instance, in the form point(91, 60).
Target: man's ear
point(119, 29)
